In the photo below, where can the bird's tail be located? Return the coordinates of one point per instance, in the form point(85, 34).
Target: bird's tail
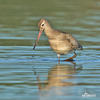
point(80, 47)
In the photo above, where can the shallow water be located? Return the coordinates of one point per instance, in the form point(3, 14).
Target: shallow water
point(36, 75)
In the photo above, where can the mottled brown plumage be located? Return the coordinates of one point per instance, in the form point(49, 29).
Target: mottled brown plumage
point(60, 42)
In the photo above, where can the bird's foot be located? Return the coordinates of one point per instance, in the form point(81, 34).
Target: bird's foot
point(69, 59)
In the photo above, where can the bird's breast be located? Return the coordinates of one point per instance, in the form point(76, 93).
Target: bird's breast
point(60, 46)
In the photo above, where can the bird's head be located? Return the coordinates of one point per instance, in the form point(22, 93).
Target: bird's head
point(41, 25)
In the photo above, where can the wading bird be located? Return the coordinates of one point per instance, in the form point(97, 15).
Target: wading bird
point(61, 42)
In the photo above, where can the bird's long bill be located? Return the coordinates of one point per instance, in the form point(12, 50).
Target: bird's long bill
point(37, 39)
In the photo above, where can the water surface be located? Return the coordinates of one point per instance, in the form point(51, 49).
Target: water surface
point(36, 75)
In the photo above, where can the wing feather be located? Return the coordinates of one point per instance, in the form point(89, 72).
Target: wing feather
point(75, 44)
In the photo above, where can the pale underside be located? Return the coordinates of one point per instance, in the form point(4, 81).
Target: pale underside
point(59, 46)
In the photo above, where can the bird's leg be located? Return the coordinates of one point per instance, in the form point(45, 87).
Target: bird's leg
point(71, 58)
point(58, 58)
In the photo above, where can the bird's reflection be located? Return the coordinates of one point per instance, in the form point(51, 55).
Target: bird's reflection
point(59, 75)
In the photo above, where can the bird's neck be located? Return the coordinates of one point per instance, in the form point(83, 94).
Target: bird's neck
point(49, 31)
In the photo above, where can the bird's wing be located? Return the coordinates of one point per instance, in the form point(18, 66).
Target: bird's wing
point(75, 44)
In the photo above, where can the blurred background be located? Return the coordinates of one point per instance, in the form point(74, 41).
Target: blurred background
point(18, 19)
point(27, 74)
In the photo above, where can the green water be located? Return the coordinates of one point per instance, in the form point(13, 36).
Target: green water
point(36, 75)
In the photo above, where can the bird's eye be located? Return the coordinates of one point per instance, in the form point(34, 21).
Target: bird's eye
point(42, 24)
